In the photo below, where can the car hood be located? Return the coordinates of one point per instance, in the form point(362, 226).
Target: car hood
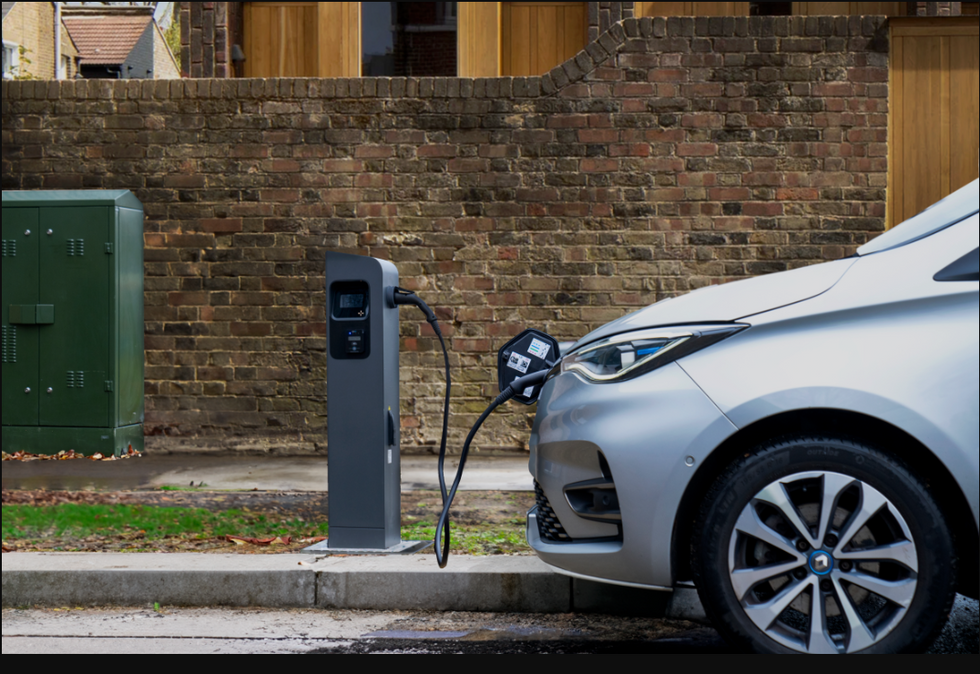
point(730, 302)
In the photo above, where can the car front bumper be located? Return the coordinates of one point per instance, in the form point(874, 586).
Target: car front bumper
point(654, 433)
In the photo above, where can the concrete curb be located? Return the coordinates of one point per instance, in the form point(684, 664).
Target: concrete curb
point(477, 584)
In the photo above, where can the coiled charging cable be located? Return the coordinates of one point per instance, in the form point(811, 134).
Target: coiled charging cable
point(443, 537)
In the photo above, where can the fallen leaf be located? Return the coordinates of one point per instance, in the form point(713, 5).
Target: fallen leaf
point(6, 549)
point(261, 542)
point(313, 541)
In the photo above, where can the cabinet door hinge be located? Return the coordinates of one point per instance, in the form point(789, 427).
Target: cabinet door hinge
point(108, 386)
point(108, 249)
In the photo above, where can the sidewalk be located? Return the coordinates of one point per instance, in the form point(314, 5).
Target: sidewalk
point(303, 474)
point(412, 583)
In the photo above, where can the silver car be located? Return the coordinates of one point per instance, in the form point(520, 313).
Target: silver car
point(802, 448)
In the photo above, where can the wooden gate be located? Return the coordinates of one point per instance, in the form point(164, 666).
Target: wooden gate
point(935, 112)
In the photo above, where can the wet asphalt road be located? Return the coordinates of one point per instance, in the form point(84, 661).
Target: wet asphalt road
point(146, 631)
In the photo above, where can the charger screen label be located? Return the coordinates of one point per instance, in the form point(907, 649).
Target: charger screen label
point(519, 363)
point(539, 349)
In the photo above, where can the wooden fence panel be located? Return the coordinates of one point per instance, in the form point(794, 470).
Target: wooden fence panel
point(281, 39)
point(537, 36)
point(934, 144)
point(850, 8)
point(692, 9)
point(479, 39)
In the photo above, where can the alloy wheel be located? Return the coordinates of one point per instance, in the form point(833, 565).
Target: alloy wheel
point(823, 563)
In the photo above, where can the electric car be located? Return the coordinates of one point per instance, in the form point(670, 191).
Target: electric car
point(802, 447)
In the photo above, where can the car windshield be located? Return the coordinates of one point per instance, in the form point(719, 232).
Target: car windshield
point(954, 208)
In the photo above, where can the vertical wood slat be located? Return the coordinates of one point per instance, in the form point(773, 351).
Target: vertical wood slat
point(944, 114)
point(964, 110)
point(537, 36)
point(693, 9)
point(849, 8)
point(339, 39)
point(896, 140)
point(480, 47)
point(281, 39)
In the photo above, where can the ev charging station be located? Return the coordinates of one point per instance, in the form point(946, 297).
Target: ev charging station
point(363, 430)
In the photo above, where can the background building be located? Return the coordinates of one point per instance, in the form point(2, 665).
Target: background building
point(32, 45)
point(120, 42)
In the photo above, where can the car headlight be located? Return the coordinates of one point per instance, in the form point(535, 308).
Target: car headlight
point(633, 354)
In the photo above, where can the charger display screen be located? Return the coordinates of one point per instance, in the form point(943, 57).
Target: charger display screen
point(352, 301)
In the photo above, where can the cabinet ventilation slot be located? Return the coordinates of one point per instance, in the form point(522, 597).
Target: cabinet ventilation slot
point(10, 248)
point(76, 247)
point(9, 345)
point(76, 380)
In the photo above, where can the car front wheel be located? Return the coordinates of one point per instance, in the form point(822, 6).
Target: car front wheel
point(825, 547)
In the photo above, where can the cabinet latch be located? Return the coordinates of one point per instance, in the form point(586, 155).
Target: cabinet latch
point(108, 386)
point(108, 249)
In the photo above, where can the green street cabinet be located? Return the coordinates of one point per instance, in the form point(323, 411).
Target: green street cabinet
point(72, 322)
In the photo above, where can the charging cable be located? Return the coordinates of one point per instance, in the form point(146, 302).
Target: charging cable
point(443, 532)
point(400, 297)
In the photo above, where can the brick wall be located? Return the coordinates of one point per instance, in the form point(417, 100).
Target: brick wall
point(670, 155)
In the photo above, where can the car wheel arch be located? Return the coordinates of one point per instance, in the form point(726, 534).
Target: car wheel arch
point(886, 437)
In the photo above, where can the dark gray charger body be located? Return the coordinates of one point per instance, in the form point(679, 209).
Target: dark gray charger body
point(363, 440)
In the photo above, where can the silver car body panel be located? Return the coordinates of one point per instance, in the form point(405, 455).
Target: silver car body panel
point(887, 342)
point(956, 207)
point(730, 302)
point(646, 429)
point(874, 335)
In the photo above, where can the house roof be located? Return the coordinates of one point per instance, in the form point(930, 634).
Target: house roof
point(7, 6)
point(106, 40)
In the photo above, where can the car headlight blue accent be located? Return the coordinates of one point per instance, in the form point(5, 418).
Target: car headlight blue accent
point(632, 354)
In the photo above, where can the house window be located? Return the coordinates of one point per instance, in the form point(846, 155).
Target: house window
point(11, 60)
point(409, 39)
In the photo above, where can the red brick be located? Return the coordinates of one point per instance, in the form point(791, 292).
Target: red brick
point(374, 152)
point(568, 121)
point(184, 182)
point(598, 135)
point(599, 165)
point(342, 166)
point(697, 150)
point(798, 194)
point(469, 165)
point(221, 226)
point(187, 299)
point(729, 194)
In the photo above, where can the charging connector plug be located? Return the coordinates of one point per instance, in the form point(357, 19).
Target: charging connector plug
point(399, 297)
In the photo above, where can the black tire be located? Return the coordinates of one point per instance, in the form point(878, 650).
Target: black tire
point(733, 549)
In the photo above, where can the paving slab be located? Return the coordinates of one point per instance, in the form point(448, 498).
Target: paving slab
point(303, 474)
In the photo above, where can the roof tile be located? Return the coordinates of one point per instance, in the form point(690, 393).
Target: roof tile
point(106, 40)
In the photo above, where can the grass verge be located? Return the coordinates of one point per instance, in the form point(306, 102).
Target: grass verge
point(72, 527)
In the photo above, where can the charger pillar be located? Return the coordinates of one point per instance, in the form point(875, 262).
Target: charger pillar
point(364, 475)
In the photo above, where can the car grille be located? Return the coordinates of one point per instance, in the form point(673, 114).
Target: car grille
point(549, 526)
